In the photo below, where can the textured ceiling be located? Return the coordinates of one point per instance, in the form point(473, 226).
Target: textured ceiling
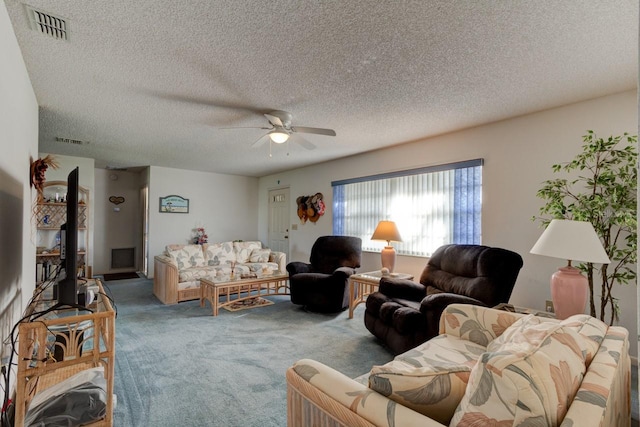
point(151, 82)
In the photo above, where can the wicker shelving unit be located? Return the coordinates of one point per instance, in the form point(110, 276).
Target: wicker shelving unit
point(50, 215)
point(82, 340)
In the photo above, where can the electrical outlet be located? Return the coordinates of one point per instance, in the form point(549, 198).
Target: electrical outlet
point(548, 307)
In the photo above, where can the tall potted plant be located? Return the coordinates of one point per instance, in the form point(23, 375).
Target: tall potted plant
point(605, 194)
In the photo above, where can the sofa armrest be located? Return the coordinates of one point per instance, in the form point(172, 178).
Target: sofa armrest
point(315, 390)
point(279, 258)
point(475, 323)
point(165, 279)
point(604, 396)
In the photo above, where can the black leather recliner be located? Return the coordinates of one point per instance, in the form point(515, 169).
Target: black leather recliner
point(403, 313)
point(322, 285)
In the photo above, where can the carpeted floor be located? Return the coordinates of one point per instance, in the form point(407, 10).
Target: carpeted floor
point(178, 365)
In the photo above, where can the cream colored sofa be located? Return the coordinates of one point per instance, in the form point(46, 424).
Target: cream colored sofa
point(487, 367)
point(178, 271)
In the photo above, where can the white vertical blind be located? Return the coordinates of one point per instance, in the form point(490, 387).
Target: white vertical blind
point(431, 207)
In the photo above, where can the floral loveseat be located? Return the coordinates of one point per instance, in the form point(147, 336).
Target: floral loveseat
point(486, 368)
point(178, 271)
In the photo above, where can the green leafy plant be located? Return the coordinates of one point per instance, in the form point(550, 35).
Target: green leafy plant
point(605, 194)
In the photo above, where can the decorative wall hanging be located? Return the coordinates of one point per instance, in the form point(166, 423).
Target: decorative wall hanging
point(38, 169)
point(116, 200)
point(174, 204)
point(310, 207)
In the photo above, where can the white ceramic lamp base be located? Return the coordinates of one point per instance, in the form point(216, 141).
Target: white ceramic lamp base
point(388, 256)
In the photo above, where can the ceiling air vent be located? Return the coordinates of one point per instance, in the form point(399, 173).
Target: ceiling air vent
point(48, 24)
point(71, 141)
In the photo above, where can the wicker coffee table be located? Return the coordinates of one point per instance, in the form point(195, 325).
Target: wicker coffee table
point(241, 288)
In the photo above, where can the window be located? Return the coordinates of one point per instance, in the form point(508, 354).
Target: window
point(431, 206)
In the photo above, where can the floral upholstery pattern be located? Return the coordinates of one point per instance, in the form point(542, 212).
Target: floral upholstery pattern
point(187, 256)
point(194, 262)
point(605, 390)
point(220, 253)
point(475, 323)
point(260, 255)
point(545, 364)
point(376, 408)
point(431, 378)
point(528, 376)
point(256, 267)
point(244, 249)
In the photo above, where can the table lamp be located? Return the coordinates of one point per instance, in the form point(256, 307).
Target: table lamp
point(573, 241)
point(387, 230)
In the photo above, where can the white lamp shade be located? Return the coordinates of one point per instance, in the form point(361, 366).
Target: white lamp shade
point(387, 230)
point(278, 136)
point(571, 240)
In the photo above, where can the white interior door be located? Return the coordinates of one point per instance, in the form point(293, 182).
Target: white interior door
point(144, 215)
point(279, 220)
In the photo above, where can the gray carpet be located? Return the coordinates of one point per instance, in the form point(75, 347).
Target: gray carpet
point(178, 365)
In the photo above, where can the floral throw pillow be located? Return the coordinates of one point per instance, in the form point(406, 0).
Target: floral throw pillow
point(528, 376)
point(260, 255)
point(244, 250)
point(430, 379)
point(220, 254)
point(188, 256)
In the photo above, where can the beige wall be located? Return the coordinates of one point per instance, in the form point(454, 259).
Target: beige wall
point(116, 226)
point(19, 146)
point(518, 155)
point(225, 205)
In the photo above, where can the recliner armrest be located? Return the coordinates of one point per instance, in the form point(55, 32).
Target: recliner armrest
point(402, 288)
point(296, 267)
point(438, 302)
point(344, 271)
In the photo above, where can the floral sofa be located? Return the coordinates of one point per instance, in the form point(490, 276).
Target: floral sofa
point(178, 271)
point(485, 368)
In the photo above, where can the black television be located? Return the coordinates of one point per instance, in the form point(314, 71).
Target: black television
point(67, 292)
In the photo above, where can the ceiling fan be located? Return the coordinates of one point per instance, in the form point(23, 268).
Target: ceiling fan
point(280, 130)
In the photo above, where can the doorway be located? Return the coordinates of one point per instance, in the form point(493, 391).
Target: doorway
point(279, 220)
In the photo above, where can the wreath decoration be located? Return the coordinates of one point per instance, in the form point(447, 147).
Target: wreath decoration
point(310, 208)
point(38, 169)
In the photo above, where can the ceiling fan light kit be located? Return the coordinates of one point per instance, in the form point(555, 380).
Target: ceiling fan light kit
point(281, 130)
point(278, 136)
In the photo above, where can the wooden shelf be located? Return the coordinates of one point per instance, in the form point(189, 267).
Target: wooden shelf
point(49, 216)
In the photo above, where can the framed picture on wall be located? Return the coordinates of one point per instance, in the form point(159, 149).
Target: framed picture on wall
point(174, 204)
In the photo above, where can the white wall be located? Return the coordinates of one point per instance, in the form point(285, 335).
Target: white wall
point(518, 155)
point(19, 146)
point(115, 226)
point(225, 205)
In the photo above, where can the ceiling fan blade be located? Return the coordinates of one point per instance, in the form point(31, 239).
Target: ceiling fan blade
point(245, 127)
point(317, 131)
point(303, 142)
point(204, 101)
point(260, 141)
point(274, 120)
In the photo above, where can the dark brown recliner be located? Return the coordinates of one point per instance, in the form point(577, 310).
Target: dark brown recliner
point(322, 285)
point(403, 313)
